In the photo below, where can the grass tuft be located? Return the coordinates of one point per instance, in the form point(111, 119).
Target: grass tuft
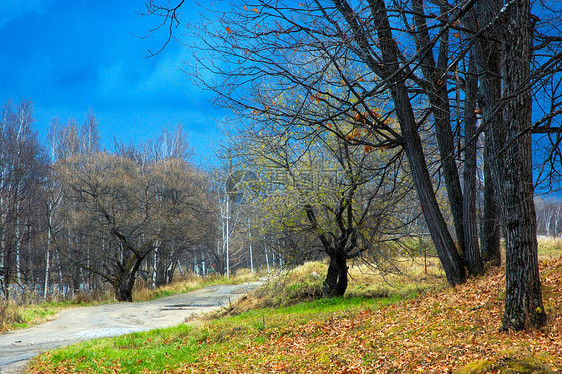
point(508, 365)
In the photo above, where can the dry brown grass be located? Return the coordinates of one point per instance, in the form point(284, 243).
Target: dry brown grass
point(190, 282)
point(9, 315)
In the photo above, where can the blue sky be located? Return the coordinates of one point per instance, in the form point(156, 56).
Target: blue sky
point(67, 56)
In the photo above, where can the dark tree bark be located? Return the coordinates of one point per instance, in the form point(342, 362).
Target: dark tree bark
point(487, 50)
point(335, 283)
point(472, 248)
point(124, 282)
point(512, 165)
point(444, 244)
point(124, 292)
point(436, 87)
point(491, 236)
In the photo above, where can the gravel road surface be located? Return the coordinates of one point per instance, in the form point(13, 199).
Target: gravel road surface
point(74, 325)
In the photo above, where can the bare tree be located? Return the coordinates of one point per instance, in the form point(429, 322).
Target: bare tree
point(130, 211)
point(346, 54)
point(315, 193)
point(22, 171)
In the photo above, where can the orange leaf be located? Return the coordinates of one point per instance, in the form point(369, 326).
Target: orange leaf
point(228, 29)
point(256, 10)
point(245, 8)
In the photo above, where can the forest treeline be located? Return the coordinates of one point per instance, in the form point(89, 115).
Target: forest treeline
point(76, 218)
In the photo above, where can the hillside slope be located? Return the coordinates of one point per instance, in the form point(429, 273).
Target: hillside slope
point(443, 331)
point(436, 333)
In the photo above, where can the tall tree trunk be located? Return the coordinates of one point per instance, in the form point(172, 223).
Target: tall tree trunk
point(47, 266)
point(444, 244)
point(436, 89)
point(3, 247)
point(512, 163)
point(472, 249)
point(487, 52)
point(491, 237)
point(250, 246)
point(266, 256)
point(19, 239)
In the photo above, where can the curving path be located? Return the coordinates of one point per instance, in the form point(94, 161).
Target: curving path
point(74, 325)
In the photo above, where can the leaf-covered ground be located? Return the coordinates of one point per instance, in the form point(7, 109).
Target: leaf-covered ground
point(436, 333)
point(455, 330)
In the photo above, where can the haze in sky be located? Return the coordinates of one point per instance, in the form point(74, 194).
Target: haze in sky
point(68, 56)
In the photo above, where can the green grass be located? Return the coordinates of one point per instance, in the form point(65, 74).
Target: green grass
point(172, 348)
point(155, 350)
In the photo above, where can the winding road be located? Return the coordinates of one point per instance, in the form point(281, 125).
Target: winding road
point(74, 325)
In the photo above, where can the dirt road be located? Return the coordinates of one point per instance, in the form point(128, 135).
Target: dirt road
point(74, 325)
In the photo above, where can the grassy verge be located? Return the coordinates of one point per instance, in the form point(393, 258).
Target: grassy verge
point(274, 311)
point(178, 347)
point(549, 248)
point(411, 276)
point(13, 316)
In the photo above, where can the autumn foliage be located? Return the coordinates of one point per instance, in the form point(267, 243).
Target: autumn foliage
point(437, 333)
